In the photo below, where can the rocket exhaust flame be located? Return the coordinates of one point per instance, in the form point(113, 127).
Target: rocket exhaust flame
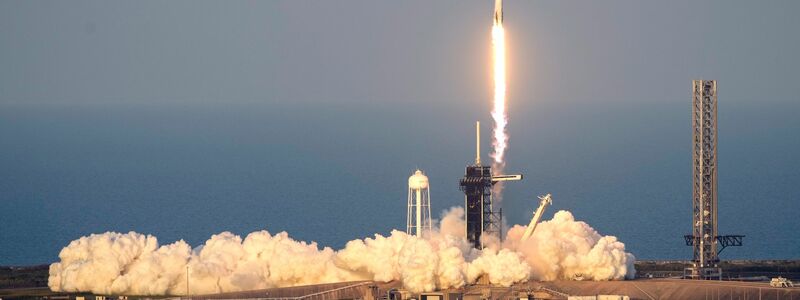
point(499, 115)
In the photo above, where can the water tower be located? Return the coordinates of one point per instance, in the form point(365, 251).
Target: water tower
point(419, 204)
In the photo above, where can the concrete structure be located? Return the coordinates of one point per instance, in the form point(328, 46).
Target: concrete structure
point(705, 241)
point(481, 216)
point(419, 204)
point(633, 289)
point(373, 290)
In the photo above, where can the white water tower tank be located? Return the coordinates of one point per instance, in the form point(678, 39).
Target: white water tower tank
point(419, 204)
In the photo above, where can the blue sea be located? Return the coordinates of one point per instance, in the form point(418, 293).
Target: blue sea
point(334, 172)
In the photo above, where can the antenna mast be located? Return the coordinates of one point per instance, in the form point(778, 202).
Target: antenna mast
point(478, 143)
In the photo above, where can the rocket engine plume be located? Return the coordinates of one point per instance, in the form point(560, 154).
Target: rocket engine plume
point(499, 115)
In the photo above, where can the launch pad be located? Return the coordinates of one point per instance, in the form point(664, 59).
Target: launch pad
point(480, 215)
point(477, 184)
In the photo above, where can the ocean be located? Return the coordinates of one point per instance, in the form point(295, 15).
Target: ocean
point(334, 172)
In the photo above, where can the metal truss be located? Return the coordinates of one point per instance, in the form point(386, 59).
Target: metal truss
point(706, 243)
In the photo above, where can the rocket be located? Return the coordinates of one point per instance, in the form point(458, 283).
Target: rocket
point(498, 12)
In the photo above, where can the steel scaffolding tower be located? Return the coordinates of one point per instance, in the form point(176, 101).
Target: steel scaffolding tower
point(704, 236)
point(481, 216)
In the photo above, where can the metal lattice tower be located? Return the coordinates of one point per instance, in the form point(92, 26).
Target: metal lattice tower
point(706, 242)
point(481, 216)
point(704, 188)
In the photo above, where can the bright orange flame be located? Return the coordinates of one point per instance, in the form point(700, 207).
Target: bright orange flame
point(499, 115)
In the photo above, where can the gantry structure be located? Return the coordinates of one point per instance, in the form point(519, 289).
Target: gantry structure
point(706, 242)
point(481, 217)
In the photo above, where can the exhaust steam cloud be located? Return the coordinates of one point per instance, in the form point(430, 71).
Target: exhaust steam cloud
point(135, 264)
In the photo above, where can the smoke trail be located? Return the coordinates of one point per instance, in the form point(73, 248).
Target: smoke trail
point(135, 264)
point(500, 137)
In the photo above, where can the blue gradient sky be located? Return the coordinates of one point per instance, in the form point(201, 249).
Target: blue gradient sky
point(186, 118)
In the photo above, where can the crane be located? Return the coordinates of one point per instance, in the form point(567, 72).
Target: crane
point(545, 201)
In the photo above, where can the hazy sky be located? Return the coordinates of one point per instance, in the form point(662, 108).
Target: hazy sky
point(392, 51)
point(198, 106)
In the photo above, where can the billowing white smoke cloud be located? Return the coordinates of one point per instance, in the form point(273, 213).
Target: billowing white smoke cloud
point(134, 264)
point(563, 248)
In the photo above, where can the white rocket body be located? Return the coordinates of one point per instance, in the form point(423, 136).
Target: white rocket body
point(498, 11)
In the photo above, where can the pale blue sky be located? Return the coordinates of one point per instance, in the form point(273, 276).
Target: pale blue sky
point(187, 118)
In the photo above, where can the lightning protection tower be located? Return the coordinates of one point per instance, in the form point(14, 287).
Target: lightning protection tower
point(419, 204)
point(704, 239)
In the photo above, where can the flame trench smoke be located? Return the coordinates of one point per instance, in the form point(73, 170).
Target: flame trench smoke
point(499, 115)
point(135, 264)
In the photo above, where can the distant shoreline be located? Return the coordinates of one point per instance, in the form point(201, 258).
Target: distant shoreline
point(15, 277)
point(35, 276)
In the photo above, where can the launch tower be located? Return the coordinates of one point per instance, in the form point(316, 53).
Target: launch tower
point(707, 244)
point(481, 217)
